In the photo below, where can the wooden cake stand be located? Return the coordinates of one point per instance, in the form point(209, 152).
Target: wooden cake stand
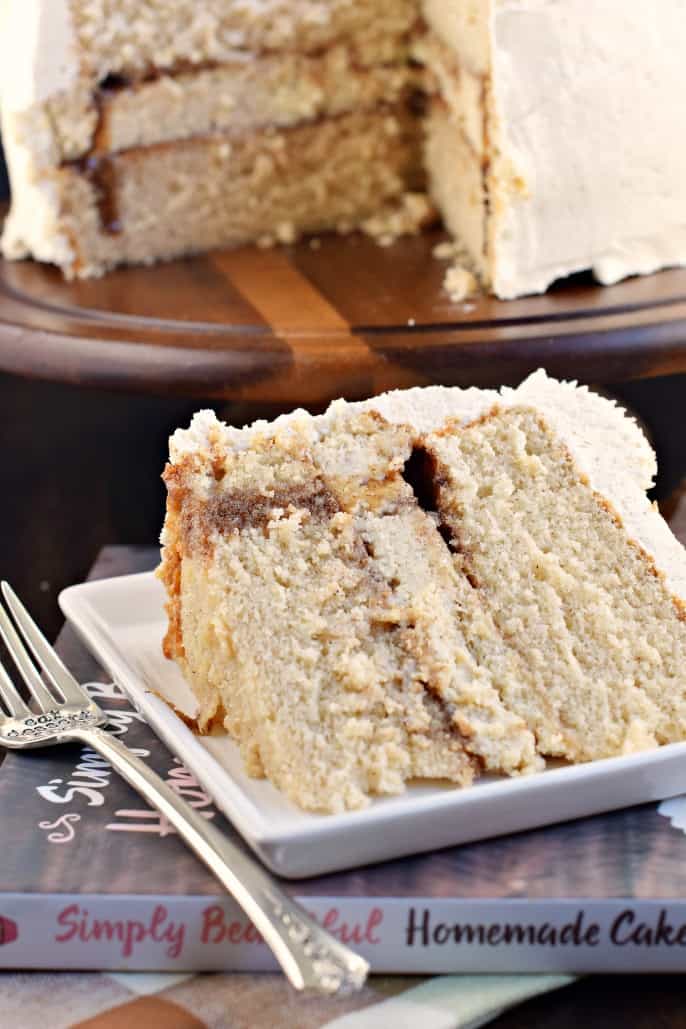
point(302, 325)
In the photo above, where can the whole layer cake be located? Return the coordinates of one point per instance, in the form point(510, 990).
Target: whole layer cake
point(430, 584)
point(543, 132)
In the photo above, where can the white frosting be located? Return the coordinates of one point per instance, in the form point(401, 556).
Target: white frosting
point(463, 25)
point(587, 169)
point(608, 447)
point(590, 113)
point(38, 54)
point(38, 59)
point(32, 226)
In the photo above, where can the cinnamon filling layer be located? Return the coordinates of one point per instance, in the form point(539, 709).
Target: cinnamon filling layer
point(101, 172)
point(239, 510)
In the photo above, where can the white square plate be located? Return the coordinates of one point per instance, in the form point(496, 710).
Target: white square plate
point(122, 622)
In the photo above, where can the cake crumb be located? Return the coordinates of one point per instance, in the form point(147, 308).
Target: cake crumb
point(285, 232)
point(406, 217)
point(444, 251)
point(459, 283)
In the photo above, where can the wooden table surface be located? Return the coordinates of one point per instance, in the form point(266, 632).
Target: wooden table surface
point(296, 325)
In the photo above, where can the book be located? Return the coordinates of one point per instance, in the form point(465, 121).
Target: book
point(91, 878)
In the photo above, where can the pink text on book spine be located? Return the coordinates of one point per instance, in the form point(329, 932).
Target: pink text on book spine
point(8, 930)
point(78, 924)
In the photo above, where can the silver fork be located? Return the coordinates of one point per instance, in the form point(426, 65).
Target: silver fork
point(311, 958)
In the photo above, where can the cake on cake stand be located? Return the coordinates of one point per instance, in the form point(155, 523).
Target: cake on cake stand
point(304, 324)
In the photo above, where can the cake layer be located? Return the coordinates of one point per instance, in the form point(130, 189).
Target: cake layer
point(248, 92)
point(222, 191)
point(457, 148)
point(244, 94)
point(494, 552)
point(463, 28)
point(450, 157)
point(322, 715)
point(93, 39)
point(161, 35)
point(601, 640)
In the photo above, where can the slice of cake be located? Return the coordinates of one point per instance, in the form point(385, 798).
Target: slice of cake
point(142, 131)
point(429, 584)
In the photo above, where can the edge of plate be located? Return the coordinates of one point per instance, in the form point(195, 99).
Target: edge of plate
point(158, 715)
point(381, 833)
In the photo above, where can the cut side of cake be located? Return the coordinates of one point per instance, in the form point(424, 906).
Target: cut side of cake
point(543, 133)
point(431, 584)
point(172, 128)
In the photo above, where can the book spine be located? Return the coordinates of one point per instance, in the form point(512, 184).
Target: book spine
point(411, 936)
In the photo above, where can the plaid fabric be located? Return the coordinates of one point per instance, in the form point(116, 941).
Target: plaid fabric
point(100, 1001)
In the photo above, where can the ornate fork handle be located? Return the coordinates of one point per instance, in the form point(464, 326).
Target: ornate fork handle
point(309, 956)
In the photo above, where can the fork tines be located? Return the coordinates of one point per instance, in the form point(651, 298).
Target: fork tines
point(58, 676)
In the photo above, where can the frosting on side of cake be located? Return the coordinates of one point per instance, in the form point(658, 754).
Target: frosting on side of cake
point(570, 174)
point(30, 30)
point(586, 109)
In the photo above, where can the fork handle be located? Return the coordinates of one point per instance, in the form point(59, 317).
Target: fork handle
point(310, 957)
